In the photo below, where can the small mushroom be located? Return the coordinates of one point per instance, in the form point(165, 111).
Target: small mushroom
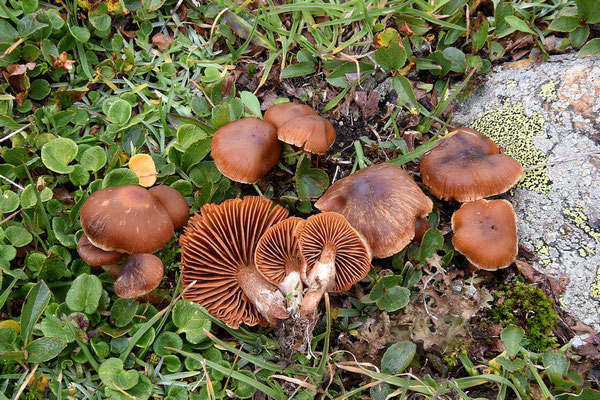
point(335, 254)
point(245, 150)
point(485, 232)
point(140, 274)
point(279, 114)
point(468, 166)
point(278, 259)
point(421, 228)
point(126, 219)
point(94, 256)
point(312, 133)
point(382, 202)
point(217, 252)
point(173, 202)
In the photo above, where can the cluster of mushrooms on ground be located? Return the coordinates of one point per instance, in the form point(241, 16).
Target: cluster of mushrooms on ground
point(246, 261)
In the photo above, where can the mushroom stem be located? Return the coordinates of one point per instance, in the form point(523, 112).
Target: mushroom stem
point(321, 279)
point(292, 284)
point(265, 296)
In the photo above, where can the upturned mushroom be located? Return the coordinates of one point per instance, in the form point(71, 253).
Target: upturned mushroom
point(245, 150)
point(335, 254)
point(382, 202)
point(485, 232)
point(140, 274)
point(468, 166)
point(278, 260)
point(218, 248)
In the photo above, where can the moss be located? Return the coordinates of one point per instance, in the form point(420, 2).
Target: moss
point(528, 307)
point(451, 357)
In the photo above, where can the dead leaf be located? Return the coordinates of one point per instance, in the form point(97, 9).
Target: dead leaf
point(62, 62)
point(162, 41)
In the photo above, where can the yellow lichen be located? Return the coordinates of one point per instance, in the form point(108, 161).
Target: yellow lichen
point(595, 288)
point(512, 129)
point(512, 83)
point(578, 217)
point(542, 250)
point(548, 91)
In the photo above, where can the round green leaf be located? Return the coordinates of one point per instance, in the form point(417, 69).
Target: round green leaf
point(17, 235)
point(244, 390)
point(93, 158)
point(29, 199)
point(79, 176)
point(172, 363)
point(84, 294)
point(113, 376)
point(58, 153)
point(119, 112)
point(44, 349)
point(9, 202)
point(190, 320)
point(123, 311)
point(397, 357)
point(167, 339)
point(187, 134)
point(120, 177)
point(39, 89)
point(81, 33)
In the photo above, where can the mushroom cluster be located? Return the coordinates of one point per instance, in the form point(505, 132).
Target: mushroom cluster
point(133, 222)
point(467, 166)
point(245, 150)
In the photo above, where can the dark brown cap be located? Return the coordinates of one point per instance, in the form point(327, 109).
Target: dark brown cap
point(279, 114)
point(245, 150)
point(126, 219)
point(173, 202)
point(217, 253)
point(94, 256)
point(382, 202)
point(335, 254)
point(485, 232)
point(468, 166)
point(312, 133)
point(140, 274)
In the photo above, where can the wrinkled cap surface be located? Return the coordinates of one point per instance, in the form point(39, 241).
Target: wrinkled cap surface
point(281, 113)
point(126, 219)
point(94, 256)
point(468, 166)
point(140, 274)
point(218, 248)
point(485, 232)
point(173, 202)
point(277, 253)
point(352, 253)
point(245, 150)
point(382, 202)
point(312, 133)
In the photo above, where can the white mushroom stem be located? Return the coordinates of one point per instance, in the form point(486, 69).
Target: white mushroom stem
point(266, 297)
point(292, 285)
point(321, 279)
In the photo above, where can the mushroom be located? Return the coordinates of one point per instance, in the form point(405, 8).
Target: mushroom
point(173, 202)
point(312, 133)
point(278, 259)
point(485, 232)
point(468, 166)
point(246, 149)
point(140, 274)
point(217, 253)
point(421, 228)
point(94, 256)
point(382, 202)
point(279, 114)
point(125, 219)
point(335, 254)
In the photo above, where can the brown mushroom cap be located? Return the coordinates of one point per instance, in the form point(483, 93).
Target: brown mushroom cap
point(468, 166)
point(126, 219)
point(246, 149)
point(382, 202)
point(217, 251)
point(173, 202)
point(312, 133)
point(277, 256)
point(140, 274)
point(421, 228)
point(94, 256)
point(485, 232)
point(279, 114)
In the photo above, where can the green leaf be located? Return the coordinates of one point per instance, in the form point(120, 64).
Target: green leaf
point(457, 59)
point(431, 243)
point(44, 349)
point(81, 33)
point(480, 36)
point(388, 295)
point(123, 311)
point(204, 172)
point(84, 294)
point(300, 69)
point(510, 365)
point(9, 202)
point(167, 339)
point(58, 153)
point(397, 357)
point(119, 112)
point(496, 51)
point(141, 391)
point(251, 102)
point(100, 22)
point(390, 58)
point(28, 25)
point(101, 349)
point(39, 89)
point(79, 176)
point(591, 48)
point(310, 182)
point(29, 199)
point(512, 336)
point(7, 32)
point(17, 235)
point(579, 36)
point(120, 177)
point(564, 24)
point(36, 301)
point(242, 389)
point(114, 377)
point(406, 94)
point(195, 153)
point(52, 326)
point(589, 9)
point(188, 134)
point(93, 158)
point(172, 363)
point(556, 361)
point(518, 24)
point(190, 320)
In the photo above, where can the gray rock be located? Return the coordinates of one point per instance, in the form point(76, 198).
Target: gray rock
point(546, 115)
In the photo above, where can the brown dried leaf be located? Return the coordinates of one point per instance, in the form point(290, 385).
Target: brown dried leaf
point(162, 41)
